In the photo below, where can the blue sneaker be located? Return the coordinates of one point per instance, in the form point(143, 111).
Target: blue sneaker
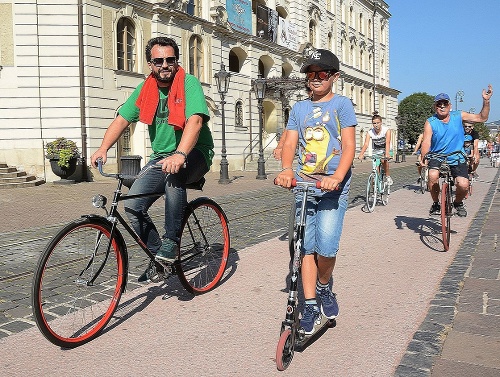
point(168, 251)
point(329, 305)
point(311, 316)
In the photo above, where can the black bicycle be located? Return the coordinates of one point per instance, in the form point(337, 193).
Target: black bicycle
point(83, 270)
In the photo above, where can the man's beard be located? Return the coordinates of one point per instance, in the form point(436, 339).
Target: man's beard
point(168, 79)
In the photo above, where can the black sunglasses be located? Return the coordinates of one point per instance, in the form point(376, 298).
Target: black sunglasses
point(158, 62)
point(442, 103)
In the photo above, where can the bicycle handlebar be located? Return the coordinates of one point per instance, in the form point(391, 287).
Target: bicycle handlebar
point(441, 156)
point(124, 176)
point(304, 184)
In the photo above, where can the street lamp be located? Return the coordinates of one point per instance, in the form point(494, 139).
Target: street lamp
point(259, 87)
point(459, 97)
point(222, 79)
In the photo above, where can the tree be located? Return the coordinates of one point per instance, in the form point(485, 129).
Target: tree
point(413, 112)
point(484, 132)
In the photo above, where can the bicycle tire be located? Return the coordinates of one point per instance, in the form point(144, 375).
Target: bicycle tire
point(371, 193)
point(471, 180)
point(204, 246)
point(445, 215)
point(284, 350)
point(69, 306)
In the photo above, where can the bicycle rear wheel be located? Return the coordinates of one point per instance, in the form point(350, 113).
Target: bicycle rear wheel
point(371, 193)
point(204, 246)
point(446, 213)
point(471, 180)
point(77, 284)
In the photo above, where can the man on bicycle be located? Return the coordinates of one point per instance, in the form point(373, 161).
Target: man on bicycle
point(172, 104)
point(381, 144)
point(443, 134)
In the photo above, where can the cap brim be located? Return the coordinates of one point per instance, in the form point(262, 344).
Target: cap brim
point(304, 68)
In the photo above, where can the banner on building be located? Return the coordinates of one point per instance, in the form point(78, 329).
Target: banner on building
point(239, 15)
point(267, 23)
point(287, 35)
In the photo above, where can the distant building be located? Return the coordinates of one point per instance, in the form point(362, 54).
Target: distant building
point(66, 73)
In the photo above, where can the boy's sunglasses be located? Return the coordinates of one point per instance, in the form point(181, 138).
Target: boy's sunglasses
point(321, 75)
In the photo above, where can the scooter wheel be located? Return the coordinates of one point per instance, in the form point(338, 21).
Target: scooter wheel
point(284, 350)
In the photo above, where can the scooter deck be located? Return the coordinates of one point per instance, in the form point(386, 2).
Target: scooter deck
point(319, 330)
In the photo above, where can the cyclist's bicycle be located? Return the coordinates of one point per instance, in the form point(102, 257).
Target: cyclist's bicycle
point(470, 174)
point(377, 187)
point(292, 334)
point(446, 183)
point(83, 270)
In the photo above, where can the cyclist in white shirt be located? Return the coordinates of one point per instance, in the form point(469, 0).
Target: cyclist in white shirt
point(381, 144)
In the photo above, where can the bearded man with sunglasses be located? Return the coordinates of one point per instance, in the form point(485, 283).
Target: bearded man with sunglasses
point(172, 104)
point(323, 128)
point(444, 134)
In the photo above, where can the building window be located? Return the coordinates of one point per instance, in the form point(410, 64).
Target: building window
point(126, 45)
point(312, 33)
point(238, 114)
point(196, 57)
point(193, 8)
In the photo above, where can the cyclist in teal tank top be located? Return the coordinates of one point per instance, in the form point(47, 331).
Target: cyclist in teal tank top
point(443, 134)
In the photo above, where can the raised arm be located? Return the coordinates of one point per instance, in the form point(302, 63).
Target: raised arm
point(483, 115)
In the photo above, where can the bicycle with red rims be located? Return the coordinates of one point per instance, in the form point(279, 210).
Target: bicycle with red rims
point(470, 174)
point(83, 270)
point(291, 333)
point(446, 183)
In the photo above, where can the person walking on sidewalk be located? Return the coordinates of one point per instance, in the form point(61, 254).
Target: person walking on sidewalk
point(381, 144)
point(172, 104)
point(444, 134)
point(323, 127)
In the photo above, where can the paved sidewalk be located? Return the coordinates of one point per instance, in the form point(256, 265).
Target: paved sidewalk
point(405, 305)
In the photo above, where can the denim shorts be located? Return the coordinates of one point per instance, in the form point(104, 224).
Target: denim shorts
point(324, 223)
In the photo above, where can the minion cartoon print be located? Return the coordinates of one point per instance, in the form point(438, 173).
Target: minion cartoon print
point(320, 146)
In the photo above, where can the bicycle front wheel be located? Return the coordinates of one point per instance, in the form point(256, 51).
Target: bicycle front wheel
point(446, 212)
point(371, 193)
point(77, 284)
point(204, 246)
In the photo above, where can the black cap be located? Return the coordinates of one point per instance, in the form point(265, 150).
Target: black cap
point(322, 58)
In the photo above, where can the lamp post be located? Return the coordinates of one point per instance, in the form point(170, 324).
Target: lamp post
point(222, 79)
point(459, 97)
point(259, 87)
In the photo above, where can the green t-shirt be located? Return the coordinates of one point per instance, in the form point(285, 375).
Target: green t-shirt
point(164, 139)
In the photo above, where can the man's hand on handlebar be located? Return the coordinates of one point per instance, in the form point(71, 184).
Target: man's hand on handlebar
point(98, 154)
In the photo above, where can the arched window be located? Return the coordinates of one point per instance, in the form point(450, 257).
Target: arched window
point(126, 45)
point(361, 25)
point(238, 115)
point(234, 62)
point(352, 20)
point(361, 57)
point(312, 33)
point(352, 60)
point(196, 57)
point(369, 29)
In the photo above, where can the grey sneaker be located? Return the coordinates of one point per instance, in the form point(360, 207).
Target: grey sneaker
point(168, 251)
point(329, 305)
point(389, 180)
point(435, 209)
point(460, 209)
point(311, 316)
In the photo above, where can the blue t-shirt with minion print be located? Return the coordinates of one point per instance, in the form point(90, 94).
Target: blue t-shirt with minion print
point(319, 126)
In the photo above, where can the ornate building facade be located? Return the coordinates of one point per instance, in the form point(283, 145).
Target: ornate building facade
point(66, 67)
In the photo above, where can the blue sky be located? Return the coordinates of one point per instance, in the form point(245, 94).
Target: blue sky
point(446, 46)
